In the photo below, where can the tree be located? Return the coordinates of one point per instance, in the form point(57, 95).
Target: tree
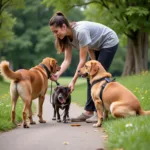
point(33, 39)
point(6, 20)
point(132, 17)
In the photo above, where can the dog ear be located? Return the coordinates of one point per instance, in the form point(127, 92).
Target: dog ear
point(68, 89)
point(56, 88)
point(52, 64)
point(94, 68)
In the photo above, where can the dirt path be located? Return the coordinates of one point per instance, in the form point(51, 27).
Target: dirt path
point(53, 135)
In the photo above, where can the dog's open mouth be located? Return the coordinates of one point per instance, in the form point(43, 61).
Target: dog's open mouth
point(61, 100)
point(84, 75)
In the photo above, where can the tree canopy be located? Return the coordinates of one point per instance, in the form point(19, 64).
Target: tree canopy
point(128, 17)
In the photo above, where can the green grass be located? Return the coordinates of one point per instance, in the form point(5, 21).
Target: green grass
point(137, 136)
point(5, 108)
point(134, 137)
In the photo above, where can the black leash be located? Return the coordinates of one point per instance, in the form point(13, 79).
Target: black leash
point(48, 76)
point(51, 90)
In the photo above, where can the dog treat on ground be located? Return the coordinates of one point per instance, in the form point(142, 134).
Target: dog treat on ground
point(75, 125)
point(65, 143)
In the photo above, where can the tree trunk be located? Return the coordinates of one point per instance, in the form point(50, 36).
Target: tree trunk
point(137, 55)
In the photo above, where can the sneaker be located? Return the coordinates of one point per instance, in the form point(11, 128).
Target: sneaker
point(81, 118)
point(92, 119)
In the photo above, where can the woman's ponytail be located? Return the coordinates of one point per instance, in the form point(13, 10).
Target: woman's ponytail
point(58, 20)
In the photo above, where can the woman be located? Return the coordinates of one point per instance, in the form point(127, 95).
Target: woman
point(95, 39)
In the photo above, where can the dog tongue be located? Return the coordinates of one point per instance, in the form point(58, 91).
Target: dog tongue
point(61, 100)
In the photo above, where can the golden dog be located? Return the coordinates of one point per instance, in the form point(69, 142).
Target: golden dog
point(29, 85)
point(116, 99)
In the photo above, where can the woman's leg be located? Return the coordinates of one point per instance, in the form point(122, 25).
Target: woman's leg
point(105, 57)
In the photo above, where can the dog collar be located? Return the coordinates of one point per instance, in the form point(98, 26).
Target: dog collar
point(47, 71)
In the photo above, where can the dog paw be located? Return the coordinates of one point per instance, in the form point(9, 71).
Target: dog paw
point(54, 118)
point(42, 121)
point(96, 125)
point(33, 122)
point(65, 121)
point(68, 119)
point(25, 126)
point(58, 120)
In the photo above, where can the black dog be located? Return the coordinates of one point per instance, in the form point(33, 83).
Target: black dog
point(61, 99)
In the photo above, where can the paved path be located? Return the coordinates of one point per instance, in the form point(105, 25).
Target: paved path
point(53, 135)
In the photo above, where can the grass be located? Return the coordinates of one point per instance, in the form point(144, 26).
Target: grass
point(123, 134)
point(5, 108)
point(130, 133)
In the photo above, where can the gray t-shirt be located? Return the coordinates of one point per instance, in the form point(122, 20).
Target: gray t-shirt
point(95, 35)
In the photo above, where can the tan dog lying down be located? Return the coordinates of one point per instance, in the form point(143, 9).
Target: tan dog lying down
point(117, 99)
point(29, 84)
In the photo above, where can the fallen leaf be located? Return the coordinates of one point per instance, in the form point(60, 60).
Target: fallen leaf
point(66, 143)
point(105, 137)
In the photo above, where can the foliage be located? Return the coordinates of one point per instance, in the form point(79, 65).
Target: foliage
point(33, 40)
point(6, 20)
point(126, 15)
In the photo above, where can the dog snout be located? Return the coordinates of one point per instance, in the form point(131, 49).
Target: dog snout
point(78, 71)
point(60, 96)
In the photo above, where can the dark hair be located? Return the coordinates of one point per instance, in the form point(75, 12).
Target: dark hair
point(58, 20)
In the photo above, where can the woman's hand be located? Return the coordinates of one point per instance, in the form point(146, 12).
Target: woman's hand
point(71, 86)
point(54, 77)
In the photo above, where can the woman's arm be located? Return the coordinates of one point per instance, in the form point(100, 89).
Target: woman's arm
point(82, 56)
point(91, 54)
point(67, 60)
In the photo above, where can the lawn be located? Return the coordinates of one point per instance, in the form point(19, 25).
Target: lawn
point(5, 108)
point(123, 134)
point(131, 133)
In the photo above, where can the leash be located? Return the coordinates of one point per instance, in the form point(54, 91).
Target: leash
point(61, 105)
point(57, 83)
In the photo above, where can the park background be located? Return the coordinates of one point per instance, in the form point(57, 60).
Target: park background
point(25, 39)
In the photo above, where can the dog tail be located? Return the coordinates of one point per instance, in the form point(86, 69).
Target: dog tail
point(8, 73)
point(143, 112)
